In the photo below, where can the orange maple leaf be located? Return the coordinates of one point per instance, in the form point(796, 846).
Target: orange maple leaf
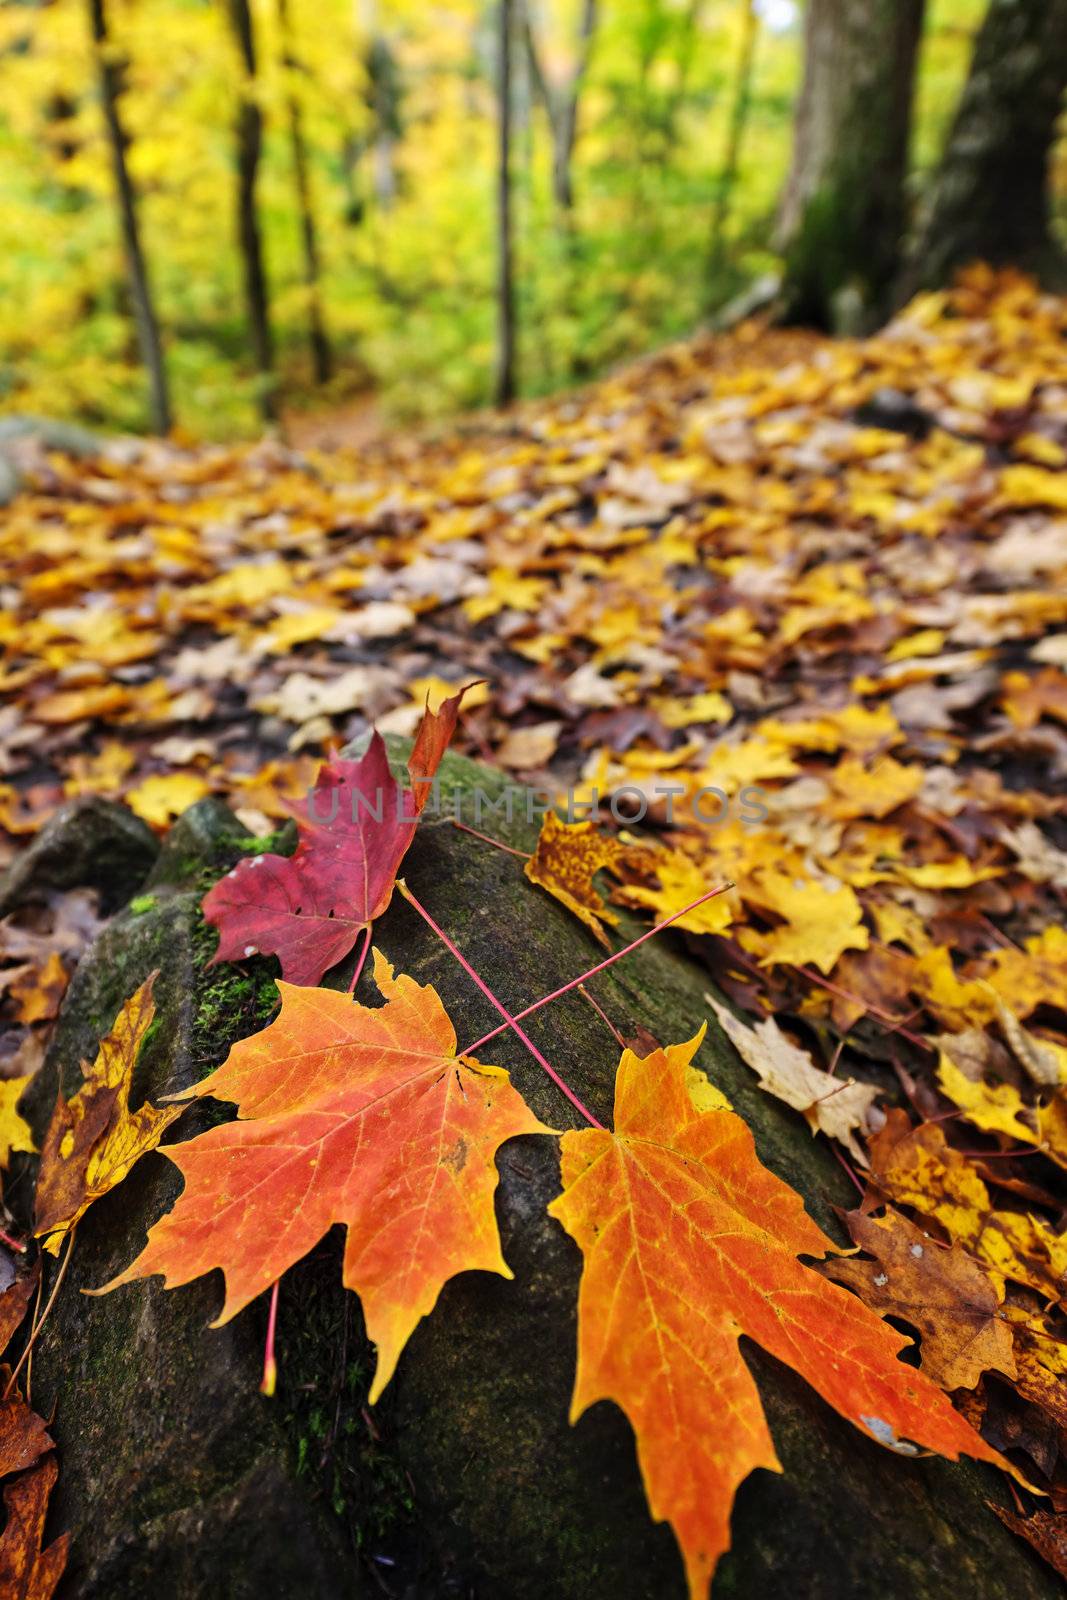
point(690, 1242)
point(346, 1115)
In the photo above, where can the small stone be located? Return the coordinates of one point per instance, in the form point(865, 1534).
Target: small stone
point(90, 843)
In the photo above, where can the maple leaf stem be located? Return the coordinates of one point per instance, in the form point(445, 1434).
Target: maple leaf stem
point(33, 1321)
point(362, 960)
point(600, 966)
point(847, 1168)
point(485, 838)
point(602, 1014)
point(509, 1020)
point(32, 1340)
point(270, 1367)
point(12, 1244)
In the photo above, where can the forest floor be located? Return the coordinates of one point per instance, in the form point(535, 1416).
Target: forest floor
point(805, 602)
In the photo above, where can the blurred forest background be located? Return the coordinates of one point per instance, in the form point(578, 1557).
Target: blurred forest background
point(323, 202)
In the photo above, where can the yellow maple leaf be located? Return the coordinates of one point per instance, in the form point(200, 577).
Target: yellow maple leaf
point(15, 1131)
point(821, 921)
point(676, 880)
point(161, 797)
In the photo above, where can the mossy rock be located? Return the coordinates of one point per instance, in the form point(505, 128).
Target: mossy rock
point(467, 1480)
point(89, 843)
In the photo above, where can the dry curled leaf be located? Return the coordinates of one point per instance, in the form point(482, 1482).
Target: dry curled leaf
point(952, 1302)
point(94, 1138)
point(28, 1572)
point(830, 1105)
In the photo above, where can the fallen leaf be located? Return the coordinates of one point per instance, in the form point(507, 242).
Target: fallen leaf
point(15, 1132)
point(1038, 858)
point(309, 908)
point(952, 1302)
point(688, 1242)
point(527, 749)
point(301, 697)
point(916, 1167)
point(1045, 1063)
point(565, 861)
point(94, 1138)
point(37, 996)
point(665, 880)
point(995, 1108)
point(23, 1437)
point(27, 1572)
point(1044, 1531)
point(14, 1303)
point(161, 797)
point(821, 921)
point(326, 1081)
point(830, 1105)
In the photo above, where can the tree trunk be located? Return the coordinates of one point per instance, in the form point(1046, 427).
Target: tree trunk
point(505, 371)
point(249, 131)
point(734, 138)
point(109, 73)
point(990, 199)
point(321, 354)
point(565, 119)
point(843, 212)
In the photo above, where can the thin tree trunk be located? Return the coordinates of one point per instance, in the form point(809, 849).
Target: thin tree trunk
point(734, 138)
point(690, 28)
point(321, 354)
point(562, 106)
point(567, 138)
point(505, 371)
point(249, 132)
point(147, 323)
point(990, 198)
point(843, 213)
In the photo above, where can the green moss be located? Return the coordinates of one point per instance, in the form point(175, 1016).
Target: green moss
point(231, 1002)
point(281, 842)
point(142, 903)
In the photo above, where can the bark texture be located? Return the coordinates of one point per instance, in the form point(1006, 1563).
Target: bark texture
point(990, 199)
point(109, 76)
point(843, 216)
point(178, 1479)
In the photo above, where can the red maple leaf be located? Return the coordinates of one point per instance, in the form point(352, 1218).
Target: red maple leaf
point(355, 829)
